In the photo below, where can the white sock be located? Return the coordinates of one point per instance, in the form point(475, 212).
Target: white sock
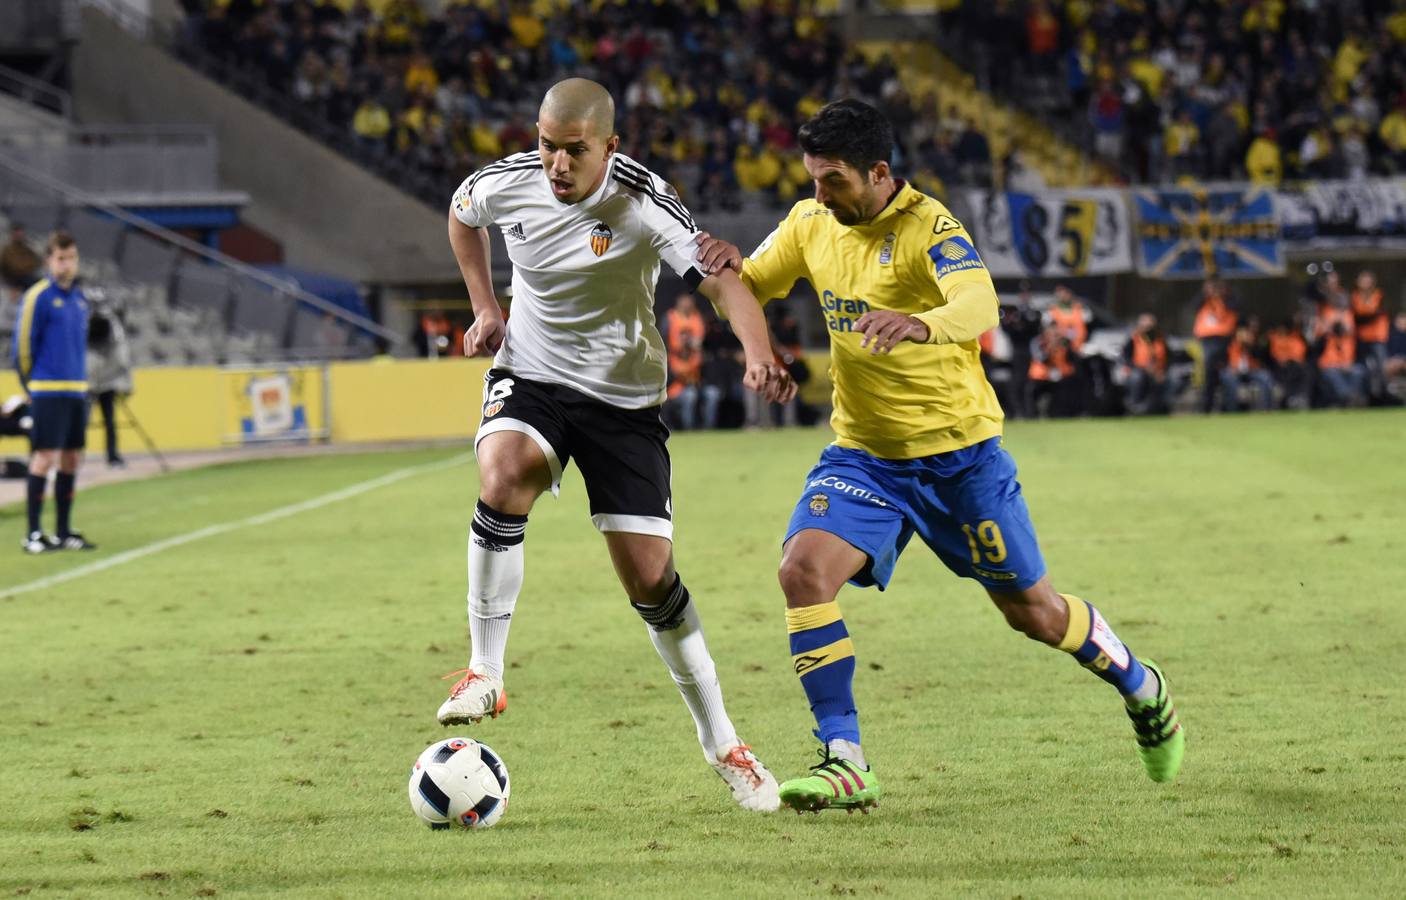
point(495, 580)
point(849, 751)
point(685, 652)
point(1146, 692)
point(489, 638)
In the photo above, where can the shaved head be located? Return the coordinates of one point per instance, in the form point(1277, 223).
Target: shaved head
point(576, 137)
point(580, 100)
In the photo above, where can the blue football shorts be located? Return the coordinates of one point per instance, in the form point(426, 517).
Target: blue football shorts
point(965, 505)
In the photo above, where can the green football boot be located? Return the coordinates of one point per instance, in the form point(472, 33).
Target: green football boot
point(834, 784)
point(1161, 741)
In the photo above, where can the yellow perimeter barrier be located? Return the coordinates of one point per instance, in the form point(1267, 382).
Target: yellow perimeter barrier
point(406, 400)
point(206, 407)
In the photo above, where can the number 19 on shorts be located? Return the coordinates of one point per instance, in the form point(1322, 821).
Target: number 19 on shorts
point(985, 542)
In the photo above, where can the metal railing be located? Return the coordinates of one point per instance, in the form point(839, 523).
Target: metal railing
point(35, 92)
point(123, 160)
point(240, 293)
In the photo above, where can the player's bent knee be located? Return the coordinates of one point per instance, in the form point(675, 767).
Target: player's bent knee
point(805, 582)
point(508, 489)
point(42, 461)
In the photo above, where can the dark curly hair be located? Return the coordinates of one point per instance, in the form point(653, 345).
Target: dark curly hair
point(851, 131)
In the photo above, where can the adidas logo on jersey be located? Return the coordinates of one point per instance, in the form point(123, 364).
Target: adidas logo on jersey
point(515, 232)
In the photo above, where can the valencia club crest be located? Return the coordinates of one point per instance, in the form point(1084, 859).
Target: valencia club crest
point(600, 238)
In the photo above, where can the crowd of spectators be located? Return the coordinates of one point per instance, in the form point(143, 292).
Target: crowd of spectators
point(1210, 89)
point(1343, 347)
point(1052, 356)
point(710, 92)
point(706, 364)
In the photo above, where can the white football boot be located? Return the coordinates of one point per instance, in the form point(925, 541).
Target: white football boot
point(753, 787)
point(474, 696)
point(39, 542)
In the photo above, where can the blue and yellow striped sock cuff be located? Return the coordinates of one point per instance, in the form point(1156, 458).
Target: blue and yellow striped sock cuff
point(818, 637)
point(1079, 620)
point(806, 618)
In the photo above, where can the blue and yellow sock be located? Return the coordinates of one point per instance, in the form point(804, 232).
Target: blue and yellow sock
point(823, 657)
point(1089, 639)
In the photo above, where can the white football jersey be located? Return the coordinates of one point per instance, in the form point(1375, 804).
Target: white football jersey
point(584, 274)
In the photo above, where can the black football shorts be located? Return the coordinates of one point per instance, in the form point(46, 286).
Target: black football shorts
point(60, 422)
point(621, 452)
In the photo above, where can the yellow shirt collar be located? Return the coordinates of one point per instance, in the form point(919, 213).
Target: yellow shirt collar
point(902, 199)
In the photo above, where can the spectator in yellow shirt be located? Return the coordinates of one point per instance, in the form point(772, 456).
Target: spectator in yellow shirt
point(1262, 15)
point(794, 179)
point(1264, 162)
point(1396, 25)
point(1393, 135)
point(371, 123)
point(1352, 53)
point(1181, 143)
point(809, 105)
point(401, 21)
point(526, 27)
point(420, 76)
point(485, 141)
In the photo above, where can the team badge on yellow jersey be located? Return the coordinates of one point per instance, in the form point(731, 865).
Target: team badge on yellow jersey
point(600, 238)
point(886, 254)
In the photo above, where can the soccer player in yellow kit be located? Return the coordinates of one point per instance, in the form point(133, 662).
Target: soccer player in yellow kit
point(918, 444)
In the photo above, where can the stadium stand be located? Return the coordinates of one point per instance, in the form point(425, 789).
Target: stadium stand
point(425, 99)
point(1264, 89)
point(1024, 151)
point(1012, 95)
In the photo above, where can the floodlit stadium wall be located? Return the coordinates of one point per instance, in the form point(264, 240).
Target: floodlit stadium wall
point(208, 407)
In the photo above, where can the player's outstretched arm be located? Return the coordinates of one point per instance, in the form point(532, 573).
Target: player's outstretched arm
point(472, 251)
point(972, 309)
point(727, 292)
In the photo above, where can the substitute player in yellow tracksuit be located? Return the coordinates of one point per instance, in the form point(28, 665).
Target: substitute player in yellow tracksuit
point(918, 449)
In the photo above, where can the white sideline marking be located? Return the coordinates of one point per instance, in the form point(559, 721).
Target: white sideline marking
point(282, 512)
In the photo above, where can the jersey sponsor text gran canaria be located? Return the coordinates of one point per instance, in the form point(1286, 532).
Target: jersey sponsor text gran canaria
point(919, 399)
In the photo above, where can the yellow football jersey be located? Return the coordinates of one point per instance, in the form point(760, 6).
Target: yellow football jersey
point(919, 399)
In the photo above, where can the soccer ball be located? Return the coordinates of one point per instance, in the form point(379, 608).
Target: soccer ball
point(459, 782)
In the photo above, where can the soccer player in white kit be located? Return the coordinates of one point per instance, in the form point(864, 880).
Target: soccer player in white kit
point(580, 373)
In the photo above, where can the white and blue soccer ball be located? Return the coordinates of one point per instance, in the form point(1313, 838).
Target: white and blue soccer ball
point(460, 782)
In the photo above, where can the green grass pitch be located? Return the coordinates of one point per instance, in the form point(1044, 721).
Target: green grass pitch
point(236, 715)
